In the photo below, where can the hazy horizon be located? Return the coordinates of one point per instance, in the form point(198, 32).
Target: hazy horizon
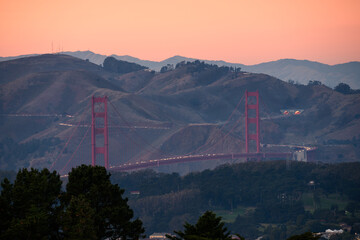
point(122, 55)
point(247, 32)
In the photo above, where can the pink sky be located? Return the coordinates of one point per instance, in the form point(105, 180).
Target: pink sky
point(242, 31)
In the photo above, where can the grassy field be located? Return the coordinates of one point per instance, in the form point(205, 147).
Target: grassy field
point(230, 216)
point(325, 202)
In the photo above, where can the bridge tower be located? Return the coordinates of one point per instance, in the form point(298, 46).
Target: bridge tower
point(102, 130)
point(250, 119)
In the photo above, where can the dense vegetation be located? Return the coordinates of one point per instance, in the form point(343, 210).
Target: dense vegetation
point(209, 226)
point(14, 154)
point(276, 199)
point(345, 89)
point(35, 207)
point(113, 65)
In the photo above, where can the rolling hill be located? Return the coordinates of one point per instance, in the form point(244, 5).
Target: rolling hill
point(299, 71)
point(181, 111)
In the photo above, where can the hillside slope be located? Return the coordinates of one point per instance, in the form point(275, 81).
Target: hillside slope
point(192, 109)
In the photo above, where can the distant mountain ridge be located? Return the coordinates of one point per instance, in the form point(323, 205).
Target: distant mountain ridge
point(299, 71)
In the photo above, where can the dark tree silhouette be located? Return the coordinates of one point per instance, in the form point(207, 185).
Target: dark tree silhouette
point(28, 208)
point(113, 65)
point(34, 207)
point(78, 220)
point(209, 226)
point(343, 88)
point(112, 218)
point(314, 83)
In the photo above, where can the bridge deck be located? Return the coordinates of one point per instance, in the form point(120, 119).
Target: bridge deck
point(193, 158)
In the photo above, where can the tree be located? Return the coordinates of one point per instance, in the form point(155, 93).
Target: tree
point(314, 83)
point(78, 219)
point(208, 226)
point(352, 207)
point(343, 88)
point(5, 206)
point(167, 68)
point(111, 64)
point(34, 207)
point(29, 207)
point(112, 214)
point(304, 236)
point(246, 226)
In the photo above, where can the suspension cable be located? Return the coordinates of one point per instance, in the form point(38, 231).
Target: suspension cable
point(70, 137)
point(77, 148)
point(130, 127)
point(223, 138)
point(227, 121)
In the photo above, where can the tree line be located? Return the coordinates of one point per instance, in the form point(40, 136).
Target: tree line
point(93, 206)
point(250, 183)
point(272, 193)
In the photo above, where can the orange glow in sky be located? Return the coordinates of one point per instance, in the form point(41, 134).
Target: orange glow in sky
point(242, 31)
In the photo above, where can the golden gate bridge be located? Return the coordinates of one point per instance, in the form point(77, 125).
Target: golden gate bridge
point(99, 127)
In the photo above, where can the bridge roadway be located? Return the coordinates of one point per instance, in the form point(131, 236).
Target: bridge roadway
point(193, 158)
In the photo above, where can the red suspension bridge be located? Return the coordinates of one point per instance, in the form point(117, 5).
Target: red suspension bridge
point(100, 130)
